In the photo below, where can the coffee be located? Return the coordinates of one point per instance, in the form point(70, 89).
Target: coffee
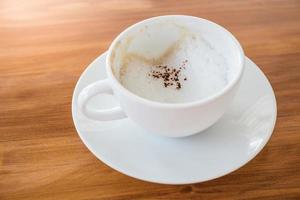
point(189, 68)
point(172, 67)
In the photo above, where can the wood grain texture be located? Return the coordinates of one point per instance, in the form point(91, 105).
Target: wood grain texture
point(45, 46)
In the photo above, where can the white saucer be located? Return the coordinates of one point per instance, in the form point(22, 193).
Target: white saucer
point(229, 144)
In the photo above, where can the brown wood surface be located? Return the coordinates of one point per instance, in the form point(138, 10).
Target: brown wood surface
point(45, 46)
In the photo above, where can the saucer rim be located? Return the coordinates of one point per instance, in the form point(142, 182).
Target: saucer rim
point(109, 164)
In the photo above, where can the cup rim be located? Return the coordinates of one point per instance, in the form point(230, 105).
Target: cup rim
point(203, 101)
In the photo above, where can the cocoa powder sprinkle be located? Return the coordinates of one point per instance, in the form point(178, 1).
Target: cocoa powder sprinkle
point(170, 75)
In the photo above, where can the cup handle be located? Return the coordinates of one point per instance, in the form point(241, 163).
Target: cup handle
point(92, 90)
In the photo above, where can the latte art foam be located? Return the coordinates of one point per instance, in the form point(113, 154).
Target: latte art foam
point(204, 73)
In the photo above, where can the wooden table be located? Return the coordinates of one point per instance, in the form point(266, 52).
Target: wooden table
point(45, 46)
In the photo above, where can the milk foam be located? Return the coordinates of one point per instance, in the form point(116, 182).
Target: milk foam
point(206, 72)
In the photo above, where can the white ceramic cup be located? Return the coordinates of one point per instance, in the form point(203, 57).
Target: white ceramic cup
point(168, 119)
